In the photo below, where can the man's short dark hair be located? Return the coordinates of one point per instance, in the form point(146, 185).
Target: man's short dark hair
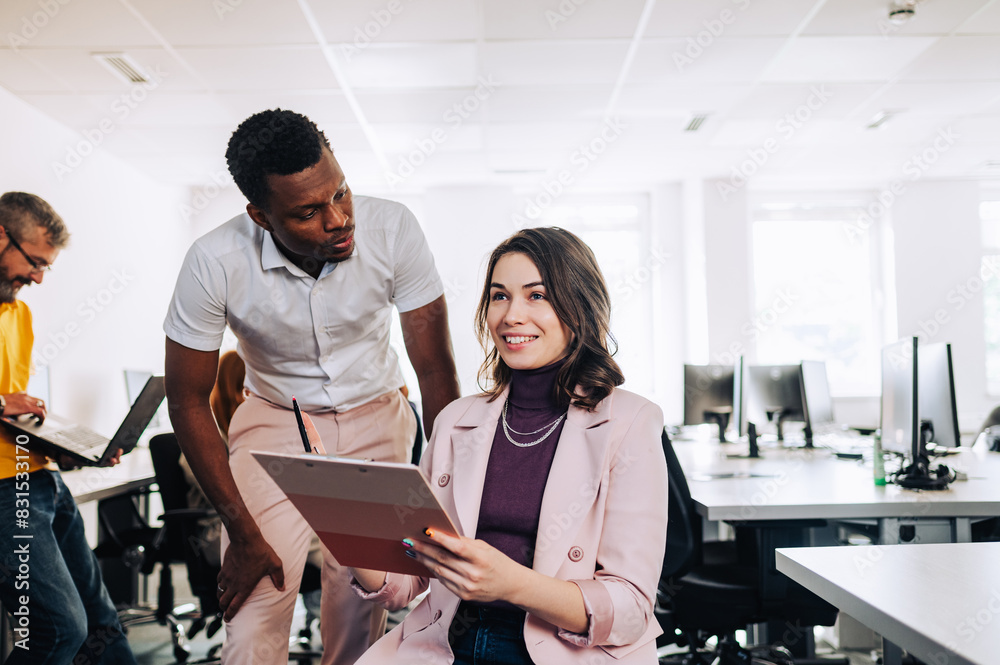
point(20, 211)
point(272, 142)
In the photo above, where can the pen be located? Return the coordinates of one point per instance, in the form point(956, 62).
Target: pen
point(302, 426)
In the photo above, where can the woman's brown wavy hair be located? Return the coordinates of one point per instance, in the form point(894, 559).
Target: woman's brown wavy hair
point(575, 287)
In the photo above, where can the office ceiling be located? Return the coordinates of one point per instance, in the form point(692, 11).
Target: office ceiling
point(414, 93)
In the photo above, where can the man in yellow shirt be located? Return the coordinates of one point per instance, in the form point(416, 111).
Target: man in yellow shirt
point(49, 578)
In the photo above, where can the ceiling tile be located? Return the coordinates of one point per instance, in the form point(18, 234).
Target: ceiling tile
point(560, 19)
point(733, 60)
point(865, 18)
point(361, 23)
point(442, 65)
point(215, 23)
point(554, 63)
point(271, 68)
point(707, 20)
point(857, 59)
point(97, 24)
point(964, 58)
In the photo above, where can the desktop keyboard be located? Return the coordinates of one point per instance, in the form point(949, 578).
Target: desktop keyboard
point(840, 441)
point(79, 439)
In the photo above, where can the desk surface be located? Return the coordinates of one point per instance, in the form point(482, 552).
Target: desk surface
point(800, 484)
point(96, 483)
point(939, 602)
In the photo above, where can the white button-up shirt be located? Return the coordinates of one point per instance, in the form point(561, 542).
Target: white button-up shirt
point(325, 340)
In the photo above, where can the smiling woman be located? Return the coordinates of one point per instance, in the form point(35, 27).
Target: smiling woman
point(570, 522)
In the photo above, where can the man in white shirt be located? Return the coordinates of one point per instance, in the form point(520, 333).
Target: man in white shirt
point(306, 279)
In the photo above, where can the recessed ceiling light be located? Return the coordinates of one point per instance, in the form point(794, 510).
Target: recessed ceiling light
point(881, 118)
point(696, 122)
point(122, 66)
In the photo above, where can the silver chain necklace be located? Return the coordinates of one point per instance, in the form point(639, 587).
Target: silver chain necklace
point(508, 431)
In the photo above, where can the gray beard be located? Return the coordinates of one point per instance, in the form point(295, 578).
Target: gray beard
point(8, 293)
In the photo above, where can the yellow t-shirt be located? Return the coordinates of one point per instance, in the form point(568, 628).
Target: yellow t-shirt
point(16, 340)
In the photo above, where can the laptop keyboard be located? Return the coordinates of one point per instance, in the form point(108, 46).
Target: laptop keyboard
point(79, 439)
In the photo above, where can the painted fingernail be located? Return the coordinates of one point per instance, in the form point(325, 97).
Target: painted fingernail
point(410, 553)
point(407, 542)
point(430, 532)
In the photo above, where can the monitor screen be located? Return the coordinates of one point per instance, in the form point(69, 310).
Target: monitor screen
point(708, 390)
point(899, 404)
point(816, 400)
point(774, 390)
point(740, 397)
point(135, 380)
point(936, 388)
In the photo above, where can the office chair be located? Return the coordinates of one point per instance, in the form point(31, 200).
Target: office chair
point(715, 589)
point(141, 547)
point(183, 530)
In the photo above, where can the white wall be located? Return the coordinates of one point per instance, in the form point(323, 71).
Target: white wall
point(938, 254)
point(100, 309)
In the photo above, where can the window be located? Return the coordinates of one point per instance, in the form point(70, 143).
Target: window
point(989, 213)
point(813, 290)
point(617, 229)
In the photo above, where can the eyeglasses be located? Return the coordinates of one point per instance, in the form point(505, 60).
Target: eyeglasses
point(35, 265)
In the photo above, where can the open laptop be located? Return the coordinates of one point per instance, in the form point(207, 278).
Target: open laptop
point(58, 436)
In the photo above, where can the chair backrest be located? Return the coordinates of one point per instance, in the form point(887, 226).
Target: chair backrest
point(166, 454)
point(182, 533)
point(418, 441)
point(684, 530)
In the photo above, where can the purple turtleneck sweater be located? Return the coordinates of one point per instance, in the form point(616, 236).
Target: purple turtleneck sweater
point(515, 476)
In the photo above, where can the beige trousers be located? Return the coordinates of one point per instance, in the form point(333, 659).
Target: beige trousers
point(382, 429)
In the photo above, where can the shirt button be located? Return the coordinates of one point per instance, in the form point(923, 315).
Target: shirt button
point(443, 479)
point(575, 553)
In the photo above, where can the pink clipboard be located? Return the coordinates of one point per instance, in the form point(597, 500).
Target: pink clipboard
point(361, 510)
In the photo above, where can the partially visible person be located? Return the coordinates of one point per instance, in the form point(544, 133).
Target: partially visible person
point(556, 476)
point(307, 279)
point(49, 577)
point(228, 392)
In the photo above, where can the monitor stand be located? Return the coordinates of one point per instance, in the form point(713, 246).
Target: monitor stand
point(719, 415)
point(778, 415)
point(754, 450)
point(918, 475)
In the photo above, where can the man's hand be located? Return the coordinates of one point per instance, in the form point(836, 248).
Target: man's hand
point(245, 564)
point(67, 463)
point(19, 404)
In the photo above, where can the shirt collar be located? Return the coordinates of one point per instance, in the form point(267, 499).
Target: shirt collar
point(271, 257)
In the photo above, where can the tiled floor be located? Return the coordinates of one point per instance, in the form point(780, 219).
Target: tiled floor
point(152, 646)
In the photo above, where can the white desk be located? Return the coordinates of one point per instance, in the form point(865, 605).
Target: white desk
point(939, 602)
point(96, 483)
point(795, 484)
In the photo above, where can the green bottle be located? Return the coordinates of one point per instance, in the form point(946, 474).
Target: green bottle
point(878, 461)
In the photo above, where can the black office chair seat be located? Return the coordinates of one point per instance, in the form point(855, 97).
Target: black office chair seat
point(717, 599)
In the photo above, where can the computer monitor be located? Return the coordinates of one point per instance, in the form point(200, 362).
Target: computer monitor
point(774, 393)
point(936, 393)
point(708, 395)
point(817, 404)
point(902, 429)
point(739, 418)
point(899, 407)
point(135, 381)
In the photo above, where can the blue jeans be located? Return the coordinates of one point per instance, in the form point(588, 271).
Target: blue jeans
point(70, 618)
point(488, 636)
